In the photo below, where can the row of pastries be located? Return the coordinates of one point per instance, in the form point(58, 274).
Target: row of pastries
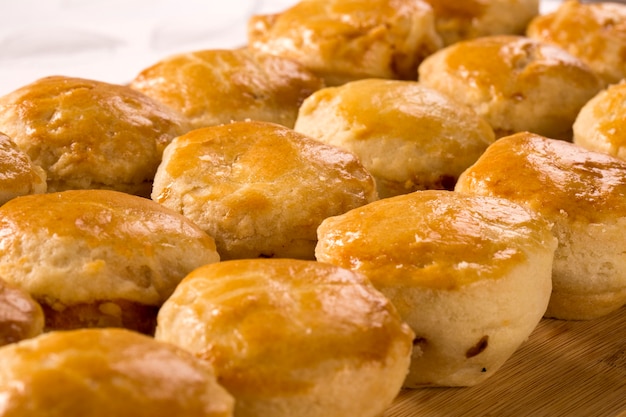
point(369, 196)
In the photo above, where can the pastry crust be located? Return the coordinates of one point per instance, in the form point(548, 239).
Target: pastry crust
point(260, 189)
point(106, 372)
point(599, 124)
point(21, 317)
point(291, 337)
point(595, 32)
point(346, 40)
point(410, 137)
point(19, 176)
point(90, 134)
point(517, 84)
point(468, 19)
point(471, 275)
point(583, 193)
point(212, 87)
point(98, 257)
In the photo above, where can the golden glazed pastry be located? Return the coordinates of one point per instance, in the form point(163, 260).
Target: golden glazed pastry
point(106, 372)
point(260, 189)
point(410, 137)
point(583, 193)
point(98, 258)
point(516, 83)
point(18, 174)
point(594, 32)
point(291, 337)
point(346, 40)
point(21, 317)
point(90, 134)
point(469, 274)
point(211, 87)
point(468, 19)
point(600, 124)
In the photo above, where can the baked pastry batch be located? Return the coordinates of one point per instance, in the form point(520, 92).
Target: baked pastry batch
point(368, 196)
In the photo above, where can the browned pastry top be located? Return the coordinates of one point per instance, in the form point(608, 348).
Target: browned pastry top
point(313, 314)
point(436, 239)
point(105, 372)
point(211, 87)
point(595, 32)
point(89, 134)
point(348, 40)
point(552, 176)
point(83, 246)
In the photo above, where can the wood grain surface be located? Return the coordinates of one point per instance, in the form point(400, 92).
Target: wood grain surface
point(564, 369)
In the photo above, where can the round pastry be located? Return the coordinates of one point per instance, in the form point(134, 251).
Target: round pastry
point(600, 124)
point(344, 40)
point(291, 337)
point(98, 258)
point(106, 372)
point(595, 32)
point(410, 137)
point(21, 317)
point(212, 87)
point(90, 134)
point(517, 84)
point(260, 189)
point(460, 20)
point(19, 176)
point(469, 274)
point(583, 193)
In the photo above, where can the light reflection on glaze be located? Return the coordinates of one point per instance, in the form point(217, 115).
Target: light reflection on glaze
point(551, 176)
point(226, 313)
point(432, 238)
point(94, 216)
point(511, 62)
point(113, 371)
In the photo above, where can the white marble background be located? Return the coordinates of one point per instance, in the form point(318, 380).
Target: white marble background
point(112, 40)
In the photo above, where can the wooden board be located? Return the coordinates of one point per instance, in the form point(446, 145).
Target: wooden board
point(564, 369)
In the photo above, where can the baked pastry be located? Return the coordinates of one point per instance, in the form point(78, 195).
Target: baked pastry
point(410, 137)
point(90, 134)
point(344, 40)
point(599, 125)
point(583, 193)
point(19, 176)
point(469, 274)
point(291, 337)
point(517, 84)
point(595, 32)
point(212, 87)
point(98, 258)
point(21, 317)
point(106, 372)
point(260, 189)
point(461, 20)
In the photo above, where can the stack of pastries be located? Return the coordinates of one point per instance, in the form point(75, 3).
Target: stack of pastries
point(393, 192)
